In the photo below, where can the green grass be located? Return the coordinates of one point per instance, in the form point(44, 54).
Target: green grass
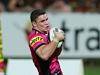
point(92, 70)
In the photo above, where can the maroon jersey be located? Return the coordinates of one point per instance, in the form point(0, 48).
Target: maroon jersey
point(49, 67)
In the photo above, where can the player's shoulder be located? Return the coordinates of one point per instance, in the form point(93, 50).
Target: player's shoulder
point(36, 38)
point(36, 35)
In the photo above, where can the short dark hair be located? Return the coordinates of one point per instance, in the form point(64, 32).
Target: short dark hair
point(35, 13)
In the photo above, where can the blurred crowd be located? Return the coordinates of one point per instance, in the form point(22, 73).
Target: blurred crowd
point(50, 5)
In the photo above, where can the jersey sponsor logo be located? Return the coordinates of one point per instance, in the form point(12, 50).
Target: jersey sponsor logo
point(35, 40)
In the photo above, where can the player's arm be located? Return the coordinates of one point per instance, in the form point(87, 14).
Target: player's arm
point(45, 51)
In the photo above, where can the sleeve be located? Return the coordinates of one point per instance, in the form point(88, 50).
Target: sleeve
point(37, 41)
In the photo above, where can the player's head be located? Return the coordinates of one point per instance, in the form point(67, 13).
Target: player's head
point(36, 13)
point(39, 20)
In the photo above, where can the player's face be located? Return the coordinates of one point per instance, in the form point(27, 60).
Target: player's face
point(42, 23)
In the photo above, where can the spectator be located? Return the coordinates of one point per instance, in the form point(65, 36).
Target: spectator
point(28, 5)
point(37, 4)
point(98, 6)
point(59, 6)
point(15, 5)
point(2, 8)
point(86, 6)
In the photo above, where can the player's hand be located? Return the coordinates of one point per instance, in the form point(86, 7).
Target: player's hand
point(59, 35)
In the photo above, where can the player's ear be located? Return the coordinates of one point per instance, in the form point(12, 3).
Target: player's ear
point(34, 24)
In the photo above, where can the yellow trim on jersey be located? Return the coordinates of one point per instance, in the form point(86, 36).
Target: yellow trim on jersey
point(35, 40)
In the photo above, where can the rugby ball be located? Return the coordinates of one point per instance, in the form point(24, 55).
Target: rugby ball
point(52, 35)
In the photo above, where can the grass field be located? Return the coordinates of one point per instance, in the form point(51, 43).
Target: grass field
point(92, 70)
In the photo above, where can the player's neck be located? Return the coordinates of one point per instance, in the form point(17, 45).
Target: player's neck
point(44, 32)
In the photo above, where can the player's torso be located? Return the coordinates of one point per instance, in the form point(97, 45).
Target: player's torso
point(44, 67)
